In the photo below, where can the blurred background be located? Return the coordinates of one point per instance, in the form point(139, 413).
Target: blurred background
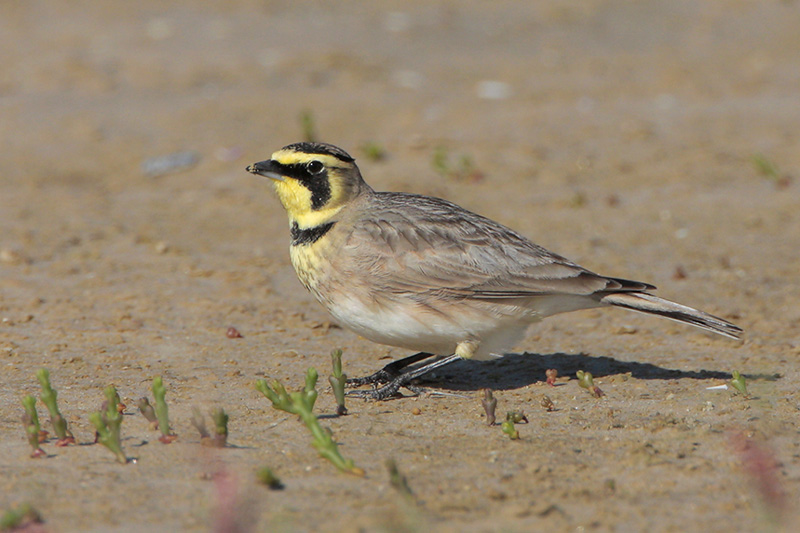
point(137, 119)
point(596, 92)
point(654, 140)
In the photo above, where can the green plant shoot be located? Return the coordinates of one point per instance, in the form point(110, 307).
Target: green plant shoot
point(267, 477)
point(338, 381)
point(766, 167)
point(301, 403)
point(516, 416)
point(50, 398)
point(586, 381)
point(108, 424)
point(33, 431)
point(162, 411)
point(20, 517)
point(308, 126)
point(374, 151)
point(398, 481)
point(509, 429)
point(738, 382)
point(220, 418)
point(147, 411)
point(439, 161)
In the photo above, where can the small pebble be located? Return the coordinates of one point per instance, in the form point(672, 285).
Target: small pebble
point(547, 403)
point(159, 29)
point(233, 333)
point(396, 21)
point(408, 79)
point(416, 411)
point(228, 154)
point(493, 90)
point(625, 330)
point(12, 257)
point(167, 164)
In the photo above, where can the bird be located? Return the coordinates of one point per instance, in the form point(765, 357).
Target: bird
point(424, 274)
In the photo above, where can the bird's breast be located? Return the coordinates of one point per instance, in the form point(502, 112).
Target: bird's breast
point(310, 264)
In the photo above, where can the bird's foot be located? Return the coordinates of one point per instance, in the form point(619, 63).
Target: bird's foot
point(389, 372)
point(398, 379)
point(387, 391)
point(379, 377)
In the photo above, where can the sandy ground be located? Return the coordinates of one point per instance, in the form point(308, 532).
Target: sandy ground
point(620, 134)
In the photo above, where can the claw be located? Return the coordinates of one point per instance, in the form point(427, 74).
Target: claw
point(389, 372)
point(381, 393)
point(381, 376)
point(397, 379)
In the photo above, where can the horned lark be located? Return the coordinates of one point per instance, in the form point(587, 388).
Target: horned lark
point(427, 275)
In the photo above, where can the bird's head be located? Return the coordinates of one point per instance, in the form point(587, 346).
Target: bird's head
point(314, 181)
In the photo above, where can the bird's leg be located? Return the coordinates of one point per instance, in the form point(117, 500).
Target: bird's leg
point(389, 372)
point(391, 388)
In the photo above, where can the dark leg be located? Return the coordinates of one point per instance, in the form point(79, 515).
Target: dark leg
point(389, 372)
point(391, 388)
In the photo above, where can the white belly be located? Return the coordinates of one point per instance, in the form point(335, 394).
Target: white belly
point(425, 330)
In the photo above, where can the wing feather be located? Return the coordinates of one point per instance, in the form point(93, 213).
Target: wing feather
point(418, 244)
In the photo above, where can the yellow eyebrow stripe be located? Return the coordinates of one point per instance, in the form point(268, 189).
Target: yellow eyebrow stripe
point(288, 157)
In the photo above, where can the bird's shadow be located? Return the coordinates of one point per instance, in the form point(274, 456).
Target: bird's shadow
point(514, 371)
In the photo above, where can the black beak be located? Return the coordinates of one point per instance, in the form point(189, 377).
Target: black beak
point(269, 169)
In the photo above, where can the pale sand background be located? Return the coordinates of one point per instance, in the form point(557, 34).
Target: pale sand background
point(624, 139)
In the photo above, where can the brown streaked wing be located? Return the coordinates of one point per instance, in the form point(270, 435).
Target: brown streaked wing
point(416, 244)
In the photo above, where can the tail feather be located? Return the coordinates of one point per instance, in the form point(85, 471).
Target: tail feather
point(647, 303)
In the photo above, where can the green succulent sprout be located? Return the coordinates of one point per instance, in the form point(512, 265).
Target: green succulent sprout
point(108, 424)
point(586, 381)
point(509, 429)
point(301, 403)
point(267, 477)
point(50, 398)
point(33, 431)
point(338, 381)
point(162, 411)
point(739, 383)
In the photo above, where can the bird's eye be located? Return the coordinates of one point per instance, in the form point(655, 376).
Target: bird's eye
point(315, 167)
